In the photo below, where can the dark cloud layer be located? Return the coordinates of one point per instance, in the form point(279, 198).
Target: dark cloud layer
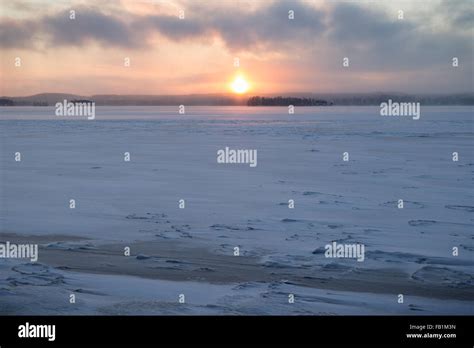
point(269, 27)
point(367, 35)
point(17, 34)
point(89, 25)
point(387, 43)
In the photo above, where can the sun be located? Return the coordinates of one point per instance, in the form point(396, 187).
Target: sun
point(240, 85)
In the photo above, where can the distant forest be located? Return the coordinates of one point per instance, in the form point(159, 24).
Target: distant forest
point(285, 101)
point(296, 99)
point(6, 102)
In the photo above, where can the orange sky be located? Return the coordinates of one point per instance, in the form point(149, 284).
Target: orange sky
point(169, 55)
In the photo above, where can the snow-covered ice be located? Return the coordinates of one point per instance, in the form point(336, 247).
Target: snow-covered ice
point(300, 157)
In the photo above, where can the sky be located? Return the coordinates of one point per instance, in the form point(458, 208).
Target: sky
point(187, 47)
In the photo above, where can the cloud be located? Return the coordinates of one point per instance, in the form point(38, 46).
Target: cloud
point(349, 22)
point(171, 27)
point(269, 26)
point(16, 34)
point(459, 14)
point(371, 36)
point(89, 25)
point(238, 29)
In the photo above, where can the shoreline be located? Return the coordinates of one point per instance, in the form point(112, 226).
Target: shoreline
point(180, 261)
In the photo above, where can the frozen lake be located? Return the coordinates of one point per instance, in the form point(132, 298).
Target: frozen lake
point(173, 157)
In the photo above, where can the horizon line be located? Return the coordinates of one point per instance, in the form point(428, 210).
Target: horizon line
point(229, 94)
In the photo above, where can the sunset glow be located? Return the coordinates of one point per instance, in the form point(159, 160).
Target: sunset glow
point(85, 49)
point(240, 85)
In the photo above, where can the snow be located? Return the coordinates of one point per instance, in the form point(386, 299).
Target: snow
point(174, 157)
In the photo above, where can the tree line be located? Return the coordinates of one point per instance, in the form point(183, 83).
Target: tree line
point(285, 101)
